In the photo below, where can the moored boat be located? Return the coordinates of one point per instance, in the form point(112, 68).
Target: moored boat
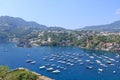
point(42, 67)
point(49, 69)
point(33, 62)
point(28, 61)
point(89, 67)
point(56, 71)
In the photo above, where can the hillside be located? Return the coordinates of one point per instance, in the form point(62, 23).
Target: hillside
point(115, 26)
point(19, 74)
point(14, 27)
point(7, 22)
point(15, 22)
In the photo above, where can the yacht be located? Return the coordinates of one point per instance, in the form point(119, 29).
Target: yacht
point(114, 72)
point(28, 61)
point(98, 61)
point(100, 70)
point(117, 56)
point(58, 66)
point(47, 64)
point(63, 62)
point(103, 65)
point(112, 64)
point(49, 69)
point(44, 58)
point(52, 65)
point(79, 60)
point(111, 59)
point(87, 60)
point(42, 67)
point(91, 57)
point(89, 67)
point(33, 62)
point(81, 63)
point(108, 62)
point(51, 59)
point(56, 71)
point(71, 64)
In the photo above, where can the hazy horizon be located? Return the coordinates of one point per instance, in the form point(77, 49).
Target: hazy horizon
point(68, 14)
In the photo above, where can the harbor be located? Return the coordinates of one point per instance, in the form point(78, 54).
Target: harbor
point(66, 63)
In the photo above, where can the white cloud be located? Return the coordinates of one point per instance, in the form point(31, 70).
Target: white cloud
point(118, 11)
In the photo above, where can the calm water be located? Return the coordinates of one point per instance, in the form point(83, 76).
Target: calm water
point(16, 57)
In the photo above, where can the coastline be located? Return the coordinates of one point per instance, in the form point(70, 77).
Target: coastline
point(104, 50)
point(40, 77)
point(85, 48)
point(99, 50)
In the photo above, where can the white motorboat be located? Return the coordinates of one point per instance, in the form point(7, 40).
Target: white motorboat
point(42, 67)
point(100, 70)
point(89, 67)
point(33, 62)
point(49, 69)
point(56, 71)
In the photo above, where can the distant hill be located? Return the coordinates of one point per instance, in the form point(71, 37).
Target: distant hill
point(115, 26)
point(18, 27)
point(15, 22)
point(7, 22)
point(12, 24)
point(56, 28)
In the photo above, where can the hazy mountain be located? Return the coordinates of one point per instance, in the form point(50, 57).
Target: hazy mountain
point(7, 22)
point(56, 28)
point(115, 26)
point(17, 27)
point(12, 22)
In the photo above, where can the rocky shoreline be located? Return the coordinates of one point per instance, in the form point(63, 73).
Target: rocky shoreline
point(108, 49)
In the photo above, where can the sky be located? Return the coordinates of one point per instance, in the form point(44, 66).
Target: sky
point(70, 14)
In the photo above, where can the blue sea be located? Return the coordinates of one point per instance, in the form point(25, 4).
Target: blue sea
point(81, 59)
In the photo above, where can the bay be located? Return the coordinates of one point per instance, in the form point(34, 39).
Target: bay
point(16, 57)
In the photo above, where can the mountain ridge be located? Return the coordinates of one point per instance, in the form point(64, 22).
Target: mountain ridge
point(16, 22)
point(18, 27)
point(114, 26)
point(8, 22)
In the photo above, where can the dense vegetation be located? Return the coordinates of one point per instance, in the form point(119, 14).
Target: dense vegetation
point(83, 39)
point(101, 42)
point(6, 74)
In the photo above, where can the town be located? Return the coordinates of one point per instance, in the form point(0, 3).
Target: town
point(106, 41)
